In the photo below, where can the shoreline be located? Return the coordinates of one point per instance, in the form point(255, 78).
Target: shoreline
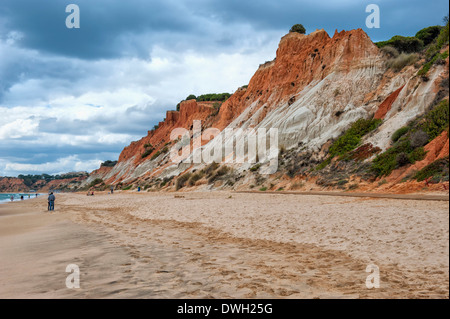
point(32, 196)
point(224, 245)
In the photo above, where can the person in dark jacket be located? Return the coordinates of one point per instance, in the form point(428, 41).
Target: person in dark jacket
point(51, 201)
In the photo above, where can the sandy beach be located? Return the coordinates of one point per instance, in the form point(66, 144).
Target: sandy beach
point(224, 245)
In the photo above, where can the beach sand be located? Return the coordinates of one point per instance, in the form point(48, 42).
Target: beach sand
point(224, 245)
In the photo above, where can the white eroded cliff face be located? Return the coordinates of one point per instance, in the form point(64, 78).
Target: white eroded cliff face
point(414, 98)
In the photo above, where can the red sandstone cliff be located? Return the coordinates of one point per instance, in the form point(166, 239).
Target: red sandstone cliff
point(12, 184)
point(189, 111)
point(300, 60)
point(304, 91)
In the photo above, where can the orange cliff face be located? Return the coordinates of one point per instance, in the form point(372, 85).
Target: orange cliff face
point(312, 91)
point(12, 184)
point(300, 60)
point(102, 171)
point(189, 111)
point(438, 148)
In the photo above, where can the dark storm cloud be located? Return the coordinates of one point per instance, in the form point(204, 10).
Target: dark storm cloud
point(116, 28)
point(404, 17)
point(105, 25)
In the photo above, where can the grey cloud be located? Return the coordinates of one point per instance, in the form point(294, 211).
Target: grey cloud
point(102, 24)
point(116, 41)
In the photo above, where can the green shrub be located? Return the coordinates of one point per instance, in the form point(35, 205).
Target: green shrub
point(437, 120)
point(441, 58)
point(156, 155)
point(403, 44)
point(230, 182)
point(109, 163)
point(127, 187)
point(399, 133)
point(219, 173)
point(402, 159)
point(263, 189)
point(210, 168)
point(324, 164)
point(165, 181)
point(298, 28)
point(402, 60)
point(342, 182)
point(427, 35)
point(441, 40)
point(196, 177)
point(214, 97)
point(344, 144)
point(349, 140)
point(400, 154)
point(216, 108)
point(426, 67)
point(439, 168)
point(417, 154)
point(181, 181)
point(223, 170)
point(390, 51)
point(96, 182)
point(147, 152)
point(255, 168)
point(352, 137)
point(411, 139)
point(386, 162)
point(443, 37)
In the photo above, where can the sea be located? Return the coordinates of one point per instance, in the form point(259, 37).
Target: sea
point(6, 197)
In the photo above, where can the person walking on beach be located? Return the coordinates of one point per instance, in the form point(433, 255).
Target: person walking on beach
point(51, 201)
point(12, 198)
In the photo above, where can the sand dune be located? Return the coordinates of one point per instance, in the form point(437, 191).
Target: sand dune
point(224, 245)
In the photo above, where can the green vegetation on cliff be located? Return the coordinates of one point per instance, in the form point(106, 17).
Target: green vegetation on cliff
point(108, 163)
point(409, 140)
point(220, 97)
point(438, 170)
point(299, 28)
point(349, 140)
point(403, 44)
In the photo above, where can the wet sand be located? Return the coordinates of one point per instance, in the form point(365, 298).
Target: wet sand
point(224, 245)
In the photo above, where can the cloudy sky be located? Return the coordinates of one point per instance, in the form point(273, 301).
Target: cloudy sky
point(72, 98)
